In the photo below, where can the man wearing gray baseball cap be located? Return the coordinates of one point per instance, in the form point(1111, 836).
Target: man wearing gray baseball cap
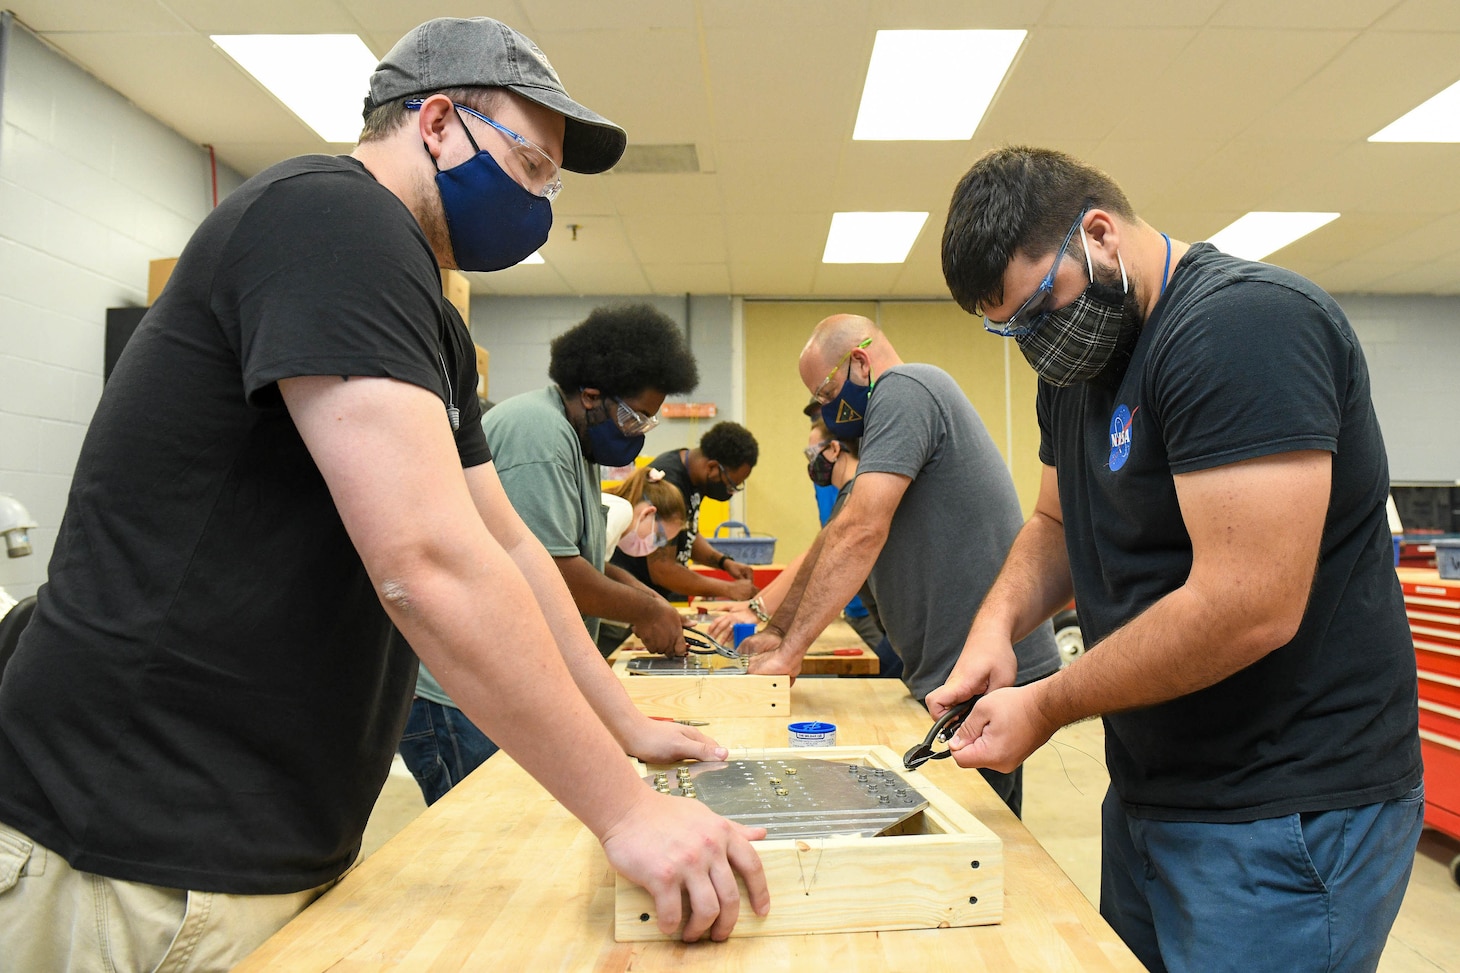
point(287, 459)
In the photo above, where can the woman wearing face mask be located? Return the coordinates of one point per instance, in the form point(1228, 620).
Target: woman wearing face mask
point(645, 512)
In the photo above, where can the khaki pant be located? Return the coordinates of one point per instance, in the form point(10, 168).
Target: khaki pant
point(54, 918)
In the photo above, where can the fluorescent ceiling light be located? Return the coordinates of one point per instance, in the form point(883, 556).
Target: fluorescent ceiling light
point(322, 78)
point(1437, 120)
point(532, 258)
point(1258, 234)
point(871, 238)
point(933, 85)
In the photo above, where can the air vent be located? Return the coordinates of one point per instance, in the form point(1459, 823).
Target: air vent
point(659, 159)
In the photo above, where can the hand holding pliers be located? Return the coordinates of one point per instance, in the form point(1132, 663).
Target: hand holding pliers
point(941, 733)
point(707, 645)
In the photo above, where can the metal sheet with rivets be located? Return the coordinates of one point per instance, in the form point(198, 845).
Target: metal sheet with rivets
point(798, 797)
point(689, 665)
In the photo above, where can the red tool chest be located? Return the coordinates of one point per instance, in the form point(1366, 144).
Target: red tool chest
point(1433, 607)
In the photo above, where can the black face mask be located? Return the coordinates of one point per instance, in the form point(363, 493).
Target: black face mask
point(718, 489)
point(820, 468)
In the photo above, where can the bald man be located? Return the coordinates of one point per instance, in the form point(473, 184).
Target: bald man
point(932, 517)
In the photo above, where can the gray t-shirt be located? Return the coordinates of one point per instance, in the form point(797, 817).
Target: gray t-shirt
point(552, 487)
point(952, 530)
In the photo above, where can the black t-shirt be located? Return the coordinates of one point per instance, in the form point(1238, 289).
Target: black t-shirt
point(676, 473)
point(206, 697)
point(1241, 360)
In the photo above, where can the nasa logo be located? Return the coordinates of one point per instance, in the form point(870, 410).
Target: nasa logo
point(1120, 426)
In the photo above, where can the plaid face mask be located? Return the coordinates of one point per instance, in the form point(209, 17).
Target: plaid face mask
point(1076, 342)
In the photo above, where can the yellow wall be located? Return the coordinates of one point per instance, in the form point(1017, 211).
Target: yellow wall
point(778, 498)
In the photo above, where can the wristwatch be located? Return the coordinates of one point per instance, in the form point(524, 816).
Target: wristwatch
point(755, 606)
point(723, 559)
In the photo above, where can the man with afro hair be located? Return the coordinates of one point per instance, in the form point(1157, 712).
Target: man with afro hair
point(610, 374)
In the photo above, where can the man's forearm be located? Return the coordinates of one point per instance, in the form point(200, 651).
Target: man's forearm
point(596, 594)
point(602, 689)
point(831, 574)
point(674, 576)
point(1181, 644)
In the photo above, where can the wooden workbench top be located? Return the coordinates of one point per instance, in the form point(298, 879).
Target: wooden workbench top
point(498, 876)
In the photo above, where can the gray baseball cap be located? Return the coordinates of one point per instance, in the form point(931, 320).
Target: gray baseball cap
point(451, 52)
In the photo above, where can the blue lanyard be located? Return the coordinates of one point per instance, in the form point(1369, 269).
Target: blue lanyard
point(1166, 271)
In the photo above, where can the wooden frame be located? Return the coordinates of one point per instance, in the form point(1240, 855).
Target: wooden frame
point(940, 868)
point(707, 697)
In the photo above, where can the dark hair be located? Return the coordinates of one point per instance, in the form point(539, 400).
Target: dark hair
point(1016, 198)
point(731, 445)
point(623, 351)
point(384, 119)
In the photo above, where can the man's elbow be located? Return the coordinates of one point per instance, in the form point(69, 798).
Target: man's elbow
point(1265, 632)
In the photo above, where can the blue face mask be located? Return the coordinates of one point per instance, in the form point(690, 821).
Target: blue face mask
point(493, 222)
point(845, 415)
point(610, 446)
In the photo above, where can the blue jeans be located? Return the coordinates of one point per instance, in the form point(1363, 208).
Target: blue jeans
point(441, 746)
point(1295, 893)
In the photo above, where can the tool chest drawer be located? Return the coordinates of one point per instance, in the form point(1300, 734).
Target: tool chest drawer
point(1436, 657)
point(1442, 781)
point(1433, 607)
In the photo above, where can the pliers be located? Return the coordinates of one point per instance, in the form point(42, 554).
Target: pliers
point(707, 645)
point(942, 732)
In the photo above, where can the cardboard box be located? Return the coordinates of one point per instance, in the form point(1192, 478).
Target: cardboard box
point(158, 272)
point(458, 291)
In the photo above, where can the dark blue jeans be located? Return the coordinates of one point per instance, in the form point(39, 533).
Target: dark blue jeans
point(1291, 894)
point(441, 746)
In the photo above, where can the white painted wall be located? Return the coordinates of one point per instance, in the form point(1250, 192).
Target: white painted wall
point(1412, 344)
point(91, 189)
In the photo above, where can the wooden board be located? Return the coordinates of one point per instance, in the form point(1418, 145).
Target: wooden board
point(818, 662)
point(707, 697)
point(941, 868)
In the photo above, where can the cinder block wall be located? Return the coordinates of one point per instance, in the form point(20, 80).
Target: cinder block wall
point(91, 189)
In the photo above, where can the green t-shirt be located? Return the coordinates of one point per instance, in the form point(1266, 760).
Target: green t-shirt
point(552, 487)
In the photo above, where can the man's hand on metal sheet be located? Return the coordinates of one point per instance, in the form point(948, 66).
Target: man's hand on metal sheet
point(665, 741)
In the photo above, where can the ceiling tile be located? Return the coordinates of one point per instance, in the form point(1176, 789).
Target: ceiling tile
point(1426, 15)
point(1301, 14)
point(1130, 13)
point(110, 16)
point(687, 278)
point(759, 277)
point(1359, 92)
point(1223, 80)
point(665, 238)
